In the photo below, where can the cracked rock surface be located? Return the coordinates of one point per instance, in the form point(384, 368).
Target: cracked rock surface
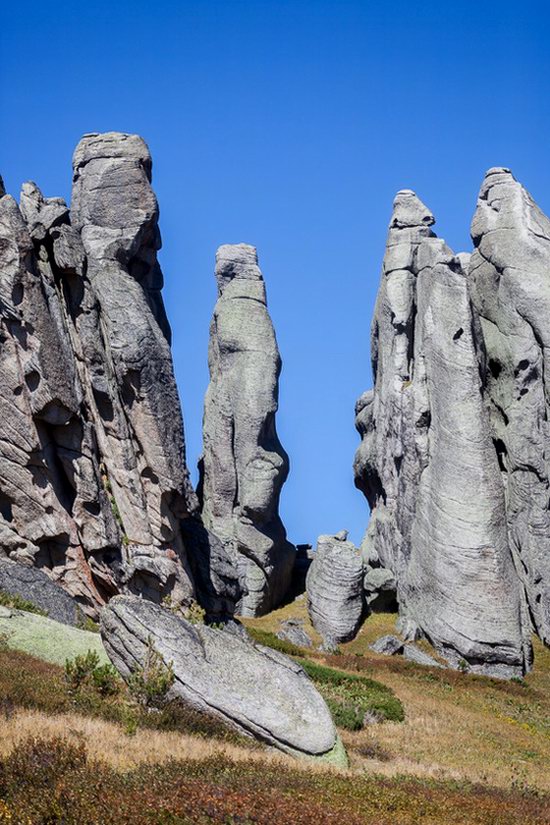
point(93, 481)
point(254, 689)
point(244, 465)
point(427, 461)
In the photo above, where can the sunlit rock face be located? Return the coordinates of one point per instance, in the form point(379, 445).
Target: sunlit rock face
point(244, 465)
point(427, 460)
point(510, 288)
point(93, 480)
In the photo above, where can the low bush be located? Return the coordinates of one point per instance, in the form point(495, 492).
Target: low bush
point(52, 782)
point(354, 700)
point(37, 685)
point(18, 603)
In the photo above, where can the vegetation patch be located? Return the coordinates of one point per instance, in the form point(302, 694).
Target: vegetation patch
point(54, 781)
point(89, 687)
point(18, 603)
point(269, 639)
point(354, 700)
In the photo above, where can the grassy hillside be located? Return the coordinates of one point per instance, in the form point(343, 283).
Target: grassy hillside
point(447, 748)
point(456, 725)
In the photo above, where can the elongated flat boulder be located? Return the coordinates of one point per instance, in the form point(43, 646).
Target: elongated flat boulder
point(255, 690)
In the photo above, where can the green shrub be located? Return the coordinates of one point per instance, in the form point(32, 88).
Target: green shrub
point(354, 700)
point(106, 680)
point(79, 670)
point(149, 684)
point(268, 639)
point(18, 603)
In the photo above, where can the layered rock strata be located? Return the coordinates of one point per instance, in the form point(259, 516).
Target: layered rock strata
point(244, 465)
point(254, 689)
point(93, 481)
point(427, 461)
point(334, 586)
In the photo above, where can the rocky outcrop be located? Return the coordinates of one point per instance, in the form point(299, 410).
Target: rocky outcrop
point(510, 287)
point(244, 465)
point(254, 689)
point(335, 589)
point(427, 462)
point(93, 481)
point(36, 587)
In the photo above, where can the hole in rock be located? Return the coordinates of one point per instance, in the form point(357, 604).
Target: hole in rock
point(32, 380)
point(501, 452)
point(495, 367)
point(5, 508)
point(523, 364)
point(458, 334)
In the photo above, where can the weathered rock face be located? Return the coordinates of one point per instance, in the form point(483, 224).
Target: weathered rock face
point(510, 286)
point(244, 465)
point(93, 481)
point(335, 589)
point(36, 586)
point(254, 689)
point(427, 462)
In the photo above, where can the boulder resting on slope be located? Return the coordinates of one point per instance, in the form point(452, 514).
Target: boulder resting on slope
point(254, 689)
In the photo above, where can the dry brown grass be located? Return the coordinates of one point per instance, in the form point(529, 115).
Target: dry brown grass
point(457, 726)
point(106, 742)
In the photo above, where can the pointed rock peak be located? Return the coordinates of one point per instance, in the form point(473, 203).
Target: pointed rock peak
point(239, 260)
point(409, 211)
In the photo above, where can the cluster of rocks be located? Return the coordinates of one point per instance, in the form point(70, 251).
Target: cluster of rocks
point(94, 487)
point(454, 457)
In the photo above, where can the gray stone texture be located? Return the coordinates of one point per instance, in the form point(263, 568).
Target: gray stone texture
point(387, 645)
point(254, 689)
point(292, 630)
point(93, 480)
point(244, 465)
point(335, 589)
point(510, 287)
point(427, 463)
point(36, 586)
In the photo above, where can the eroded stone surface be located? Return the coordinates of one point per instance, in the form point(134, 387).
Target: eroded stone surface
point(244, 465)
point(335, 589)
point(254, 689)
point(427, 463)
point(93, 480)
point(510, 286)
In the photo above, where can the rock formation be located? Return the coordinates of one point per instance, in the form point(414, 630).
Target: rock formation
point(254, 689)
point(510, 287)
point(36, 587)
point(335, 589)
point(427, 461)
point(244, 465)
point(93, 481)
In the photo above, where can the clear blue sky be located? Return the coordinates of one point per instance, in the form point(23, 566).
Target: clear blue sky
point(289, 125)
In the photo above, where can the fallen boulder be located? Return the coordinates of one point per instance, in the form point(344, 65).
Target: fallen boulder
point(414, 654)
point(254, 689)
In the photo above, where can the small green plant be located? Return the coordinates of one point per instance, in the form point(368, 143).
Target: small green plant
point(149, 684)
point(79, 670)
point(18, 603)
point(194, 613)
point(106, 680)
point(86, 623)
point(463, 666)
